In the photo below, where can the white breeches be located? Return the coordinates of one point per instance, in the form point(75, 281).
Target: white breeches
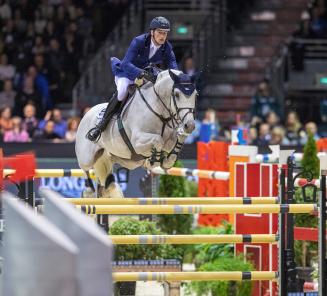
point(122, 84)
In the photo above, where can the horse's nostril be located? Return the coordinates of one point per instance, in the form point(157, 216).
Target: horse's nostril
point(189, 127)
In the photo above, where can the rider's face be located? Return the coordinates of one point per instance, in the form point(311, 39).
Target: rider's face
point(159, 36)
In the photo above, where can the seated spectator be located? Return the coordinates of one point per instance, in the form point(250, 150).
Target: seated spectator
point(72, 126)
point(39, 23)
point(263, 102)
point(28, 95)
point(48, 132)
point(5, 10)
point(278, 136)
point(39, 46)
point(5, 119)
point(60, 127)
point(30, 123)
point(253, 135)
point(294, 131)
point(209, 127)
point(17, 133)
point(318, 24)
point(6, 71)
point(7, 96)
point(310, 128)
point(272, 119)
point(305, 29)
point(264, 135)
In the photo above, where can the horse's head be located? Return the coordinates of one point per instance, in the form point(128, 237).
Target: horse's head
point(178, 92)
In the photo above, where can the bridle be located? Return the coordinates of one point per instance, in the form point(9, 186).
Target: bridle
point(174, 119)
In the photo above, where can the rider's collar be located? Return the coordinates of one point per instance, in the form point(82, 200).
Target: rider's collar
point(184, 84)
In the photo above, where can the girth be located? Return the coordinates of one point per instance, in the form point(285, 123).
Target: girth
point(134, 156)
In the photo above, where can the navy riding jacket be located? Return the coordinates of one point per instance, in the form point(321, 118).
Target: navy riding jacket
point(137, 58)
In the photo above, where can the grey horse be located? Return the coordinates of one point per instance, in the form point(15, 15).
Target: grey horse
point(149, 131)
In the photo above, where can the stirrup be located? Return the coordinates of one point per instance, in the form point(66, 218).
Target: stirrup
point(94, 134)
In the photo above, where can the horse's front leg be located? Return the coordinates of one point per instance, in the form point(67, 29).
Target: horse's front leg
point(169, 160)
point(148, 143)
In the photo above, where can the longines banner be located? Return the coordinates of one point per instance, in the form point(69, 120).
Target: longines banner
point(74, 186)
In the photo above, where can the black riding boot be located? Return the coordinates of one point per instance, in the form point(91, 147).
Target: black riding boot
point(94, 134)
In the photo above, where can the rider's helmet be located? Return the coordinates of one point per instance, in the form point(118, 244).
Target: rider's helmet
point(161, 23)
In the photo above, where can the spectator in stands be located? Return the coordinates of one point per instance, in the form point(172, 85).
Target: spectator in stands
point(17, 132)
point(27, 95)
point(48, 132)
point(39, 22)
point(6, 71)
point(253, 135)
point(272, 119)
point(305, 29)
point(209, 127)
point(85, 110)
point(7, 96)
point(72, 126)
point(278, 136)
point(20, 24)
point(5, 10)
point(294, 131)
point(310, 128)
point(10, 38)
point(60, 125)
point(39, 46)
point(189, 68)
point(264, 135)
point(263, 102)
point(318, 23)
point(5, 120)
point(30, 123)
point(42, 85)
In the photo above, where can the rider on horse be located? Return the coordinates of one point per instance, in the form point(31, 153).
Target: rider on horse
point(146, 49)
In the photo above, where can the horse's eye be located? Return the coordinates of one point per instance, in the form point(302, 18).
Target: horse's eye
point(177, 95)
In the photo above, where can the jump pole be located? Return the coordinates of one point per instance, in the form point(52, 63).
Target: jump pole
point(195, 276)
point(195, 209)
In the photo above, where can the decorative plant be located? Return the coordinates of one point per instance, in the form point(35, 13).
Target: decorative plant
point(222, 288)
point(305, 251)
point(131, 226)
point(172, 186)
point(211, 252)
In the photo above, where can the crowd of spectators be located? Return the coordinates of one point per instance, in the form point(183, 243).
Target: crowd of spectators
point(313, 21)
point(44, 46)
point(29, 128)
point(264, 124)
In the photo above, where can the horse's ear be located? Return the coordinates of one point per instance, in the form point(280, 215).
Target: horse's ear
point(173, 76)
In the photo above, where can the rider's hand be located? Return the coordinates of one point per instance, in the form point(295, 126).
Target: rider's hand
point(149, 76)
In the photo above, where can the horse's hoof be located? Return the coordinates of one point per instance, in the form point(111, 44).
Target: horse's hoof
point(115, 191)
point(169, 162)
point(88, 193)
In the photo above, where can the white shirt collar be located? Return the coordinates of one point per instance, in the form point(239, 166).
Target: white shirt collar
point(153, 49)
point(153, 46)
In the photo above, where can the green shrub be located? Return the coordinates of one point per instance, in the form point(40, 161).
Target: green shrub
point(173, 186)
point(211, 252)
point(130, 226)
point(222, 288)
